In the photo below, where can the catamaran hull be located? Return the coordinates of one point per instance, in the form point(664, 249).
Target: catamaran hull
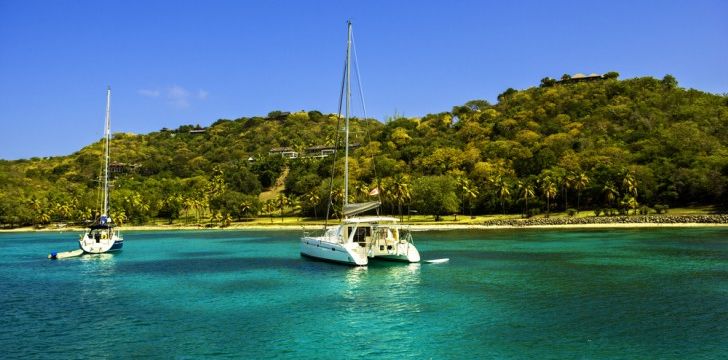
point(322, 250)
point(406, 252)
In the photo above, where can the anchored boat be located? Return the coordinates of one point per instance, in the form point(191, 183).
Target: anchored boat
point(358, 239)
point(102, 235)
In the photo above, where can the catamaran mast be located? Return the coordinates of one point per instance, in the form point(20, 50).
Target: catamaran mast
point(348, 101)
point(107, 135)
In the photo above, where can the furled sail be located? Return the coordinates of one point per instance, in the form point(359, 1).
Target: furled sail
point(358, 208)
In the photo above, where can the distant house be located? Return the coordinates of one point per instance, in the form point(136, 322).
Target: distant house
point(581, 78)
point(285, 152)
point(198, 131)
point(320, 151)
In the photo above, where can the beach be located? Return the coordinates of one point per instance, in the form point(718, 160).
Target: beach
point(620, 222)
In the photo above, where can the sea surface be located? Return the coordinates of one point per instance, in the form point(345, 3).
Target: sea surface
point(517, 294)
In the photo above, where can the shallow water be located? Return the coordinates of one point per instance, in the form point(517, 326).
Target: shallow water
point(653, 293)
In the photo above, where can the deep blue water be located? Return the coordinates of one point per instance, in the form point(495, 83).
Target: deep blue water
point(627, 294)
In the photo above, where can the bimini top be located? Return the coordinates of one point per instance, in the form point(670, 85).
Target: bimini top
point(358, 208)
point(370, 219)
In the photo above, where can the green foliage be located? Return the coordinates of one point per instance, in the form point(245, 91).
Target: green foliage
point(435, 195)
point(602, 143)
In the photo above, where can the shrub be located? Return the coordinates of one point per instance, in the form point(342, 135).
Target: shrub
point(532, 212)
point(661, 209)
point(644, 210)
point(597, 211)
point(571, 212)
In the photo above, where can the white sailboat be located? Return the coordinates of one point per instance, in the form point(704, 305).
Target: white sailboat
point(358, 239)
point(102, 236)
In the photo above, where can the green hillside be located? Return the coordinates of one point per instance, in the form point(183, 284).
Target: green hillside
point(601, 143)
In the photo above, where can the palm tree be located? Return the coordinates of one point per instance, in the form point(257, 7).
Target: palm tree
point(64, 211)
point(216, 218)
point(270, 206)
point(226, 220)
point(549, 190)
point(580, 183)
point(188, 204)
point(245, 207)
point(471, 193)
point(282, 200)
point(462, 183)
point(85, 213)
point(527, 192)
point(401, 191)
point(39, 214)
point(43, 217)
point(630, 184)
point(503, 190)
point(118, 216)
point(295, 203)
point(200, 204)
point(633, 204)
point(610, 192)
point(361, 191)
point(567, 183)
point(312, 199)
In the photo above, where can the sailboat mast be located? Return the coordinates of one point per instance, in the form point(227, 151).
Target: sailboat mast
point(348, 101)
point(107, 135)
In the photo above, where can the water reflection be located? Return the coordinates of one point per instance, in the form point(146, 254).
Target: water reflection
point(98, 273)
point(382, 296)
point(353, 278)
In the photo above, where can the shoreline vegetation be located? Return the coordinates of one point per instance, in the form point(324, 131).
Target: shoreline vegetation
point(637, 146)
point(684, 218)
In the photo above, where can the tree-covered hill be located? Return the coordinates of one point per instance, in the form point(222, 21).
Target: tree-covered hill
point(600, 143)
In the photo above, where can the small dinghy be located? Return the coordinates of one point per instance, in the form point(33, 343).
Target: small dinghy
point(437, 261)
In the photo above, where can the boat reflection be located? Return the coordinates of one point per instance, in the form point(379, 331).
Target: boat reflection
point(98, 272)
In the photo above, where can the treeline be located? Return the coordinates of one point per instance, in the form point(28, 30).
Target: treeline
point(603, 143)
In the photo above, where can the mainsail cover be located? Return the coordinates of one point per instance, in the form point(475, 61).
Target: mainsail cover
point(358, 208)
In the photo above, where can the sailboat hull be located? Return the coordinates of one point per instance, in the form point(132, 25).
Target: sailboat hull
point(92, 245)
point(317, 248)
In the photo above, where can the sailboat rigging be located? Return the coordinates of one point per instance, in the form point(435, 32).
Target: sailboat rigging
point(102, 235)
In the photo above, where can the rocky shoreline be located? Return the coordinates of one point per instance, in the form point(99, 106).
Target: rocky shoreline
point(593, 220)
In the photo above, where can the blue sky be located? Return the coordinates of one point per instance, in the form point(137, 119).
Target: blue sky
point(179, 62)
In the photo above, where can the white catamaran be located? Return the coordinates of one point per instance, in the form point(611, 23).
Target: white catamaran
point(102, 237)
point(357, 239)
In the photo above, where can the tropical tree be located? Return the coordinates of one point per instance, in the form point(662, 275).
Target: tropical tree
point(610, 193)
point(435, 195)
point(282, 201)
point(312, 199)
point(188, 204)
point(632, 203)
point(580, 182)
point(361, 191)
point(503, 189)
point(630, 184)
point(568, 181)
point(470, 192)
point(118, 216)
point(549, 191)
point(269, 207)
point(400, 191)
point(527, 192)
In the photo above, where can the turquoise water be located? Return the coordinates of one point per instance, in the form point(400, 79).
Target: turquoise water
point(634, 294)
